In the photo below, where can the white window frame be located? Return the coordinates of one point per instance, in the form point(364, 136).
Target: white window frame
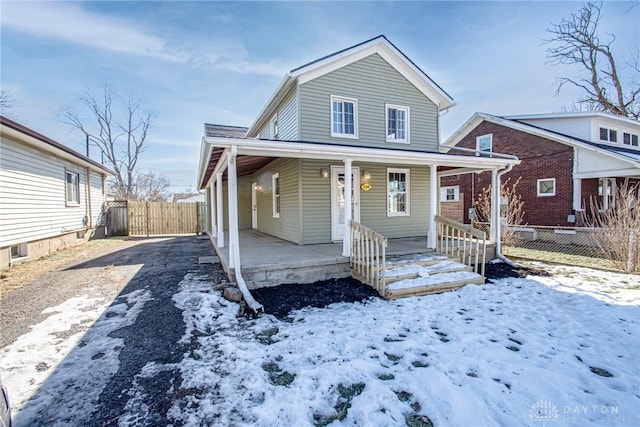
point(456, 193)
point(343, 99)
point(539, 194)
point(68, 200)
point(273, 127)
point(603, 187)
point(406, 110)
point(275, 195)
point(609, 130)
point(631, 136)
point(407, 197)
point(478, 138)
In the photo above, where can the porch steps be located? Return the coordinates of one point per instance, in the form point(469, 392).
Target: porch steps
point(422, 274)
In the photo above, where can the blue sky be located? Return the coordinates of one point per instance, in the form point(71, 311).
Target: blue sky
point(218, 62)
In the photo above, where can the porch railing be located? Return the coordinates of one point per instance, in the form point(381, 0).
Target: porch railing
point(368, 254)
point(457, 239)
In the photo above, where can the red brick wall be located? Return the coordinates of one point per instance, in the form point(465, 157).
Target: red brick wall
point(541, 158)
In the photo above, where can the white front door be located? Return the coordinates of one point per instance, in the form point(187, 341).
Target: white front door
point(337, 200)
point(254, 205)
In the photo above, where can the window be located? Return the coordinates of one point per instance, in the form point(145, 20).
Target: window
point(73, 188)
point(630, 139)
point(275, 185)
point(273, 126)
point(610, 135)
point(397, 192)
point(450, 194)
point(344, 117)
point(546, 187)
point(397, 123)
point(484, 143)
point(606, 193)
point(19, 251)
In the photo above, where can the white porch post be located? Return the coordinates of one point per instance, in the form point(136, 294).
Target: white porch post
point(577, 194)
point(346, 241)
point(232, 189)
point(212, 210)
point(219, 217)
point(495, 207)
point(433, 206)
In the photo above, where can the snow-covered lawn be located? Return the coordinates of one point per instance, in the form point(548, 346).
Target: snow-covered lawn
point(556, 350)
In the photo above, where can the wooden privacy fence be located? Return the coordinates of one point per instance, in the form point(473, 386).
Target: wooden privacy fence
point(155, 218)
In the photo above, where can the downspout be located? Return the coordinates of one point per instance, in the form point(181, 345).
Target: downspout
point(498, 242)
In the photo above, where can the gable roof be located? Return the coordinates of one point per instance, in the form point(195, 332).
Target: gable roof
point(620, 153)
point(37, 140)
point(378, 45)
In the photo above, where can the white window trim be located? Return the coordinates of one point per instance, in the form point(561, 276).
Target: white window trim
point(337, 98)
point(273, 127)
point(631, 135)
point(443, 194)
point(407, 111)
point(478, 138)
point(545, 194)
point(604, 182)
point(609, 129)
point(407, 204)
point(66, 188)
point(276, 214)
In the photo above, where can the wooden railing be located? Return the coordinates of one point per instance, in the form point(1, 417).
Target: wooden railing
point(368, 254)
point(463, 241)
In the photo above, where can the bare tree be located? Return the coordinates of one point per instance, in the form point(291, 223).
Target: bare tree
point(121, 140)
point(151, 187)
point(511, 214)
point(7, 103)
point(575, 41)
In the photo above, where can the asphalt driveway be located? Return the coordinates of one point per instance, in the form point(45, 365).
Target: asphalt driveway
point(75, 342)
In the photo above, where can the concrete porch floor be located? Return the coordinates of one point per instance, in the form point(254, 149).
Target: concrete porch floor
point(269, 261)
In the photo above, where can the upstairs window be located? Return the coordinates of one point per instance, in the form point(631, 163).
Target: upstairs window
point(610, 135)
point(275, 185)
point(273, 126)
point(630, 139)
point(484, 144)
point(397, 192)
point(344, 117)
point(72, 188)
point(397, 123)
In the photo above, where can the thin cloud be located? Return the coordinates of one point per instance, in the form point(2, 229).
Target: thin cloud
point(73, 24)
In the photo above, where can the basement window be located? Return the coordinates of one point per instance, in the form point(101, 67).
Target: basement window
point(19, 251)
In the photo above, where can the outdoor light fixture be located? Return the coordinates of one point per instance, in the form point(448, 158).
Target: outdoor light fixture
point(324, 173)
point(366, 175)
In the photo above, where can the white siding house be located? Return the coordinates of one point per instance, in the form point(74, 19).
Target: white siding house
point(51, 196)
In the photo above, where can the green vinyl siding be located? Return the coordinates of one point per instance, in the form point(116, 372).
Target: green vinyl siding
point(316, 205)
point(287, 119)
point(374, 83)
point(287, 227)
point(244, 203)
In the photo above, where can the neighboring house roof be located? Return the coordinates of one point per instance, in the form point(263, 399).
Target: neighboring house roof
point(620, 153)
point(577, 114)
point(34, 139)
point(195, 198)
point(380, 45)
point(224, 131)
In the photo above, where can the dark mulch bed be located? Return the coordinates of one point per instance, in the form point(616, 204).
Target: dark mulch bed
point(280, 300)
point(503, 270)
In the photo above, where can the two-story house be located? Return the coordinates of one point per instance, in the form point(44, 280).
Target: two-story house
point(366, 112)
point(570, 161)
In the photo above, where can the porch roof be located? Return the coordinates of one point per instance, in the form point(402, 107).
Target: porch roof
point(254, 154)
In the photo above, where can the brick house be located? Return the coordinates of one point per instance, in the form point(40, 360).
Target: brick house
point(567, 160)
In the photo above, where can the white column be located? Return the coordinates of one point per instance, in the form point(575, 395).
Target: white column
point(212, 209)
point(433, 206)
point(232, 188)
point(219, 215)
point(495, 207)
point(577, 194)
point(346, 241)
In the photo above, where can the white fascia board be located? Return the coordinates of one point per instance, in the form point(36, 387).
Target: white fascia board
point(622, 173)
point(50, 149)
point(391, 55)
point(205, 155)
point(462, 131)
point(459, 171)
point(577, 114)
point(271, 104)
point(374, 155)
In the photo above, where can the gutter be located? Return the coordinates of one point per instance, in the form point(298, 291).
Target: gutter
point(498, 242)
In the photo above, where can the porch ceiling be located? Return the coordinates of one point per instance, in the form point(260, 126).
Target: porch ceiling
point(246, 164)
